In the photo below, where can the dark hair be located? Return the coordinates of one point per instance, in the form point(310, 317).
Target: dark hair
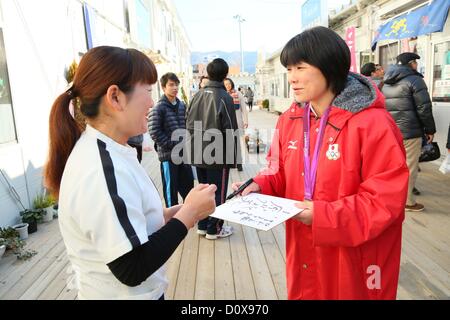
point(99, 68)
point(217, 70)
point(231, 81)
point(169, 76)
point(368, 68)
point(324, 49)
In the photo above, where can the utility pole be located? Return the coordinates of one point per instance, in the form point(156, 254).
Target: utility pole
point(240, 20)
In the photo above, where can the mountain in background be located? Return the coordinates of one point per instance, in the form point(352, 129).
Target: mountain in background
point(232, 58)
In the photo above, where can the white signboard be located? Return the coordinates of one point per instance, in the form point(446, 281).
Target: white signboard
point(257, 211)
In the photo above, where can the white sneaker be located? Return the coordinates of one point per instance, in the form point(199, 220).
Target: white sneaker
point(201, 232)
point(226, 231)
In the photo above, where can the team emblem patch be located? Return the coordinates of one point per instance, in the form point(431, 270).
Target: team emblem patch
point(333, 152)
point(292, 145)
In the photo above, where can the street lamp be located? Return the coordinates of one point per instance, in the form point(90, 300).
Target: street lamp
point(240, 20)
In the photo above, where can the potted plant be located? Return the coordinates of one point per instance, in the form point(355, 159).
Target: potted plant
point(22, 228)
point(45, 202)
point(2, 247)
point(32, 217)
point(265, 104)
point(10, 239)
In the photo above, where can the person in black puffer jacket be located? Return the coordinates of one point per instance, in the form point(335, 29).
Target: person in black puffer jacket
point(167, 117)
point(409, 103)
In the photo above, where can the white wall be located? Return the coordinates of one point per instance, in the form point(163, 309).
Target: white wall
point(441, 110)
point(174, 49)
point(41, 39)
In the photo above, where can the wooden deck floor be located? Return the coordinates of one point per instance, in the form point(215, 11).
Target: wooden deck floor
point(249, 264)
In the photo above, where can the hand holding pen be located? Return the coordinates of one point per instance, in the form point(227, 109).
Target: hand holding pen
point(244, 188)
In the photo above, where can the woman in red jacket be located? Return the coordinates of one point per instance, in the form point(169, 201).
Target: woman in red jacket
point(341, 156)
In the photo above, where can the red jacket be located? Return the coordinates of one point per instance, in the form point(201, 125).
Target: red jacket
point(352, 249)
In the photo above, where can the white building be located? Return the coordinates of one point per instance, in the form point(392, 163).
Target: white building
point(38, 41)
point(170, 45)
point(272, 82)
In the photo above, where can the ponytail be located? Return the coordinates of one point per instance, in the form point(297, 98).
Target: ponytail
point(99, 68)
point(64, 132)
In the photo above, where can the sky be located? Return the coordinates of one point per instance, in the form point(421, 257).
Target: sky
point(269, 23)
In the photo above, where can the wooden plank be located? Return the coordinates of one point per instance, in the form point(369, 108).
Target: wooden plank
point(224, 283)
point(185, 287)
point(275, 262)
point(173, 267)
point(426, 271)
point(57, 285)
point(417, 284)
point(41, 241)
point(41, 283)
point(68, 293)
point(242, 274)
point(403, 294)
point(431, 222)
point(428, 244)
point(279, 233)
point(30, 277)
point(204, 284)
point(264, 286)
point(16, 282)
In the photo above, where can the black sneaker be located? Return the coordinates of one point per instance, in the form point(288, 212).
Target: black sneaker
point(416, 192)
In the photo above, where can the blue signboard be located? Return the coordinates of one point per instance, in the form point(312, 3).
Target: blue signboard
point(314, 13)
point(427, 19)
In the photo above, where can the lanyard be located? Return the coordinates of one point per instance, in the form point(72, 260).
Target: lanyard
point(311, 167)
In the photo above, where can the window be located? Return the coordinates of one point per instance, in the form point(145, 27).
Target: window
point(7, 126)
point(364, 57)
point(286, 86)
point(388, 54)
point(441, 72)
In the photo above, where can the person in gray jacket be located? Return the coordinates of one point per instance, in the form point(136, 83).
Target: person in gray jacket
point(212, 125)
point(409, 103)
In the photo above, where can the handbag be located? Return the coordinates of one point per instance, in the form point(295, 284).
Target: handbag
point(430, 152)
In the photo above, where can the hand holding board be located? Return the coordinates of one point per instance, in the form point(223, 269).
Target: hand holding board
point(257, 211)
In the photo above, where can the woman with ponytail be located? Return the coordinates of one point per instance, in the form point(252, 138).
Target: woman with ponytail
point(117, 234)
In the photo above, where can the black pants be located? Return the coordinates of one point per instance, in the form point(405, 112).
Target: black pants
point(219, 177)
point(176, 178)
point(250, 105)
point(138, 149)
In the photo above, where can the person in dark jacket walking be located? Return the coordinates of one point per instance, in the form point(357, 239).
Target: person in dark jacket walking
point(375, 72)
point(409, 103)
point(212, 125)
point(165, 118)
